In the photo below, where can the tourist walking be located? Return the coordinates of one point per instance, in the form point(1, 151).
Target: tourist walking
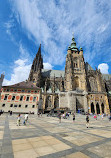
point(87, 121)
point(73, 117)
point(95, 116)
point(18, 120)
point(10, 113)
point(25, 119)
point(59, 116)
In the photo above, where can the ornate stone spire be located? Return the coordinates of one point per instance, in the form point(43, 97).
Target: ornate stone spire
point(38, 61)
point(37, 66)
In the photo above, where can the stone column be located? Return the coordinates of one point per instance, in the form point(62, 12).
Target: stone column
point(100, 106)
point(106, 105)
point(52, 101)
point(85, 101)
point(44, 101)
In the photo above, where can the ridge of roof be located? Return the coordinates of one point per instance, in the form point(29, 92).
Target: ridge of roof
point(23, 84)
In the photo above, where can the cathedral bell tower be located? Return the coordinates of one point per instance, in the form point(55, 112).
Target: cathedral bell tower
point(75, 75)
point(37, 66)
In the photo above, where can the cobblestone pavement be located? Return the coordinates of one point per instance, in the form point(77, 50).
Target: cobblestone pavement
point(47, 138)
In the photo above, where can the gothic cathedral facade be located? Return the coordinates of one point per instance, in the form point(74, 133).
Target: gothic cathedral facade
point(78, 87)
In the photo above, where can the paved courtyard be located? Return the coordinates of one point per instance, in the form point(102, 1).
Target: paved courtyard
point(47, 138)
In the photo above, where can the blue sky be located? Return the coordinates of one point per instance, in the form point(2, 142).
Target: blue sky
point(24, 24)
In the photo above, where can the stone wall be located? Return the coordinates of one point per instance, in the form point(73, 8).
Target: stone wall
point(73, 100)
point(100, 99)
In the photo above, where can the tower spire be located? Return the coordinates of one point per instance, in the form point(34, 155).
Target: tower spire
point(37, 66)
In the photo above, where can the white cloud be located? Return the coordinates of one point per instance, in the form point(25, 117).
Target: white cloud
point(103, 68)
point(47, 66)
point(21, 67)
point(102, 28)
point(52, 23)
point(20, 72)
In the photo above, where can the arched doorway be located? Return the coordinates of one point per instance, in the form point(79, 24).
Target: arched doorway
point(102, 107)
point(97, 108)
point(56, 102)
point(92, 108)
point(78, 105)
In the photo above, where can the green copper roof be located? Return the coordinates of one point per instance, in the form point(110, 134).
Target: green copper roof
point(81, 49)
point(69, 48)
point(73, 45)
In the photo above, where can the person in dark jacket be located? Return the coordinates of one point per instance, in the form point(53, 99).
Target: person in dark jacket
point(87, 121)
point(73, 117)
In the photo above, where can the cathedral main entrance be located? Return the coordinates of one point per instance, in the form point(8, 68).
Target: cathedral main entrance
point(78, 105)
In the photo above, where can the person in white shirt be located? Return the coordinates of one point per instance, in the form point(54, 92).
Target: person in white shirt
point(26, 118)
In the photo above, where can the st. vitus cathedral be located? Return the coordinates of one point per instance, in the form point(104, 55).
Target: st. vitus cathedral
point(78, 87)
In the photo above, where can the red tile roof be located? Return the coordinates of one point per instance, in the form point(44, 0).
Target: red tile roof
point(24, 84)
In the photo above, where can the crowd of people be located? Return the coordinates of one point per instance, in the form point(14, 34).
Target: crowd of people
point(60, 115)
point(66, 115)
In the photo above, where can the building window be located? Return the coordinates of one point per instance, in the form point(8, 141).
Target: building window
point(19, 105)
point(28, 91)
point(21, 97)
point(35, 91)
point(26, 106)
point(13, 98)
point(33, 106)
point(5, 98)
point(34, 98)
point(3, 105)
point(7, 90)
point(11, 105)
point(27, 98)
point(15, 106)
point(15, 90)
point(22, 90)
point(101, 96)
